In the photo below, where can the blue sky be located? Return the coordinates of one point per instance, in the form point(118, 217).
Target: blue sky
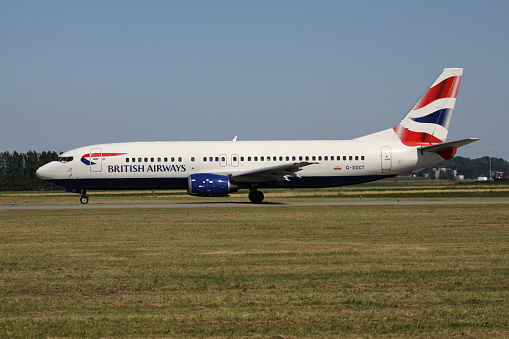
point(75, 73)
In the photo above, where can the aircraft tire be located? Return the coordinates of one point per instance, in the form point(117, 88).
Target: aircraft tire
point(84, 199)
point(256, 197)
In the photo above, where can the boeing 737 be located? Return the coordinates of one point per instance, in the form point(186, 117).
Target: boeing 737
point(218, 168)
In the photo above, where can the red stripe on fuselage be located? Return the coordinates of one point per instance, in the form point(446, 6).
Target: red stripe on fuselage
point(446, 89)
point(88, 155)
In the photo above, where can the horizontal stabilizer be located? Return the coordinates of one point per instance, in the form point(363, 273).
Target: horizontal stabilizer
point(447, 149)
point(447, 145)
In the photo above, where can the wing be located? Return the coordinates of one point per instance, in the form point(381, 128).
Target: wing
point(275, 173)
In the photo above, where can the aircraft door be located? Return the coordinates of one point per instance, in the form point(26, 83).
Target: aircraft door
point(222, 160)
point(386, 158)
point(95, 158)
point(235, 160)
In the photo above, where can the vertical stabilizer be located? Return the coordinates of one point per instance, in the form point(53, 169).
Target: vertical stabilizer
point(427, 123)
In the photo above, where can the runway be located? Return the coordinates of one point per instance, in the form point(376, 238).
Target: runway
point(92, 206)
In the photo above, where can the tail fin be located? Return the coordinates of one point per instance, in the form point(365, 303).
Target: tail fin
point(427, 123)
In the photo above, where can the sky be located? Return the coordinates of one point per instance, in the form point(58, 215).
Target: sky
point(77, 73)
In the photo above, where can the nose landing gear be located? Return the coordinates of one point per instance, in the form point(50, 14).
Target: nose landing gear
point(84, 199)
point(82, 191)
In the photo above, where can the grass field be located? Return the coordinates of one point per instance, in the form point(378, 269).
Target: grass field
point(407, 271)
point(383, 190)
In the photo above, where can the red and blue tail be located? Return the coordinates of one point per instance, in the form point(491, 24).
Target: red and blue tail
point(426, 126)
point(427, 123)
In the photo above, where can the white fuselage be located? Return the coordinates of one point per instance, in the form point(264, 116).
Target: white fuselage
point(153, 165)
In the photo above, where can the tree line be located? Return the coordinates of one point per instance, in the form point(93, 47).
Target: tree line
point(470, 168)
point(17, 170)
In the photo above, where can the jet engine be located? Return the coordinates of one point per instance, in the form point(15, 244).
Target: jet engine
point(210, 185)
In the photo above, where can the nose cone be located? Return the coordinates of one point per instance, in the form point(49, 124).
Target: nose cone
point(44, 172)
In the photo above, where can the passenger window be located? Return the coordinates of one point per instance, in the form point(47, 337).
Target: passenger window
point(356, 157)
point(133, 159)
point(287, 158)
point(300, 158)
point(241, 159)
point(211, 159)
point(325, 158)
point(151, 159)
point(350, 158)
point(314, 158)
point(362, 157)
point(262, 158)
point(180, 159)
point(217, 159)
point(280, 158)
point(172, 159)
point(248, 158)
point(320, 158)
point(165, 159)
point(344, 157)
point(139, 159)
point(158, 159)
point(205, 159)
point(307, 157)
point(192, 159)
point(126, 159)
point(146, 159)
point(223, 159)
point(255, 158)
point(234, 158)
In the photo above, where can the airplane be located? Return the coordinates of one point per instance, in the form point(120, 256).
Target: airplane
point(218, 168)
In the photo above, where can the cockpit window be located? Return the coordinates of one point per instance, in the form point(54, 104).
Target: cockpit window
point(64, 159)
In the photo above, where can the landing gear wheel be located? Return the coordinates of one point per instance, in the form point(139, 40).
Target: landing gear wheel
point(256, 196)
point(84, 199)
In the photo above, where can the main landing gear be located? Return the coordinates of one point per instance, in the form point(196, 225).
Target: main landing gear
point(256, 196)
point(84, 199)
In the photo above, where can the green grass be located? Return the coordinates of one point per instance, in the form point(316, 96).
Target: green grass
point(385, 189)
point(420, 271)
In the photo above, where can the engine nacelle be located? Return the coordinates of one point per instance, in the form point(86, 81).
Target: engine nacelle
point(210, 185)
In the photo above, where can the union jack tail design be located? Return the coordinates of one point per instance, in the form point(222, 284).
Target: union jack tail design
point(427, 123)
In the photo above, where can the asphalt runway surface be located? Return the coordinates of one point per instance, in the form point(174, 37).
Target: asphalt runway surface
point(262, 205)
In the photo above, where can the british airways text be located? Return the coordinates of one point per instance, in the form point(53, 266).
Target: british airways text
point(145, 169)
